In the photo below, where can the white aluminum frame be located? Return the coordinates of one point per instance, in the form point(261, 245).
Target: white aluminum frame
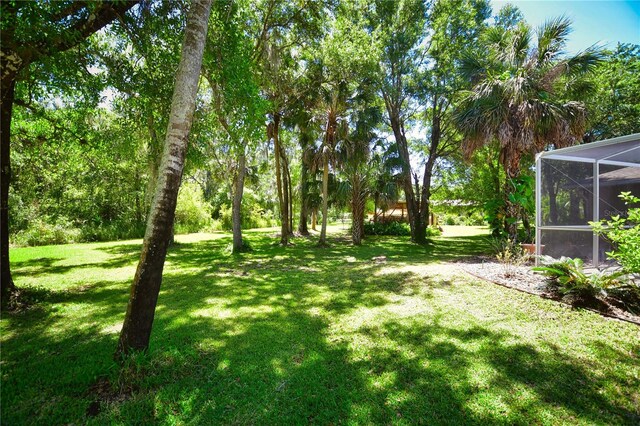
point(564, 154)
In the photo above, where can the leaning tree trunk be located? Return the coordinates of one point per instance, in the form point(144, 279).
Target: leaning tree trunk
point(138, 320)
point(6, 282)
point(236, 208)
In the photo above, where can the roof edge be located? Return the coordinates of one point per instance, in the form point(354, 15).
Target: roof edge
point(597, 144)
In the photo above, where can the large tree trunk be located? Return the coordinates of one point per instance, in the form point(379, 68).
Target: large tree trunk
point(6, 282)
point(236, 208)
point(138, 320)
point(403, 150)
point(376, 197)
point(423, 215)
point(325, 198)
point(512, 171)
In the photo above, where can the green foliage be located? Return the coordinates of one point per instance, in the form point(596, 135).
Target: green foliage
point(614, 107)
point(522, 198)
point(624, 234)
point(45, 231)
point(519, 207)
point(568, 276)
point(254, 215)
point(193, 214)
point(471, 219)
point(495, 215)
point(387, 228)
point(395, 228)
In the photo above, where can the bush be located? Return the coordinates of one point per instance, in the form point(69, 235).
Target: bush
point(472, 219)
point(45, 231)
point(388, 228)
point(394, 228)
point(112, 231)
point(624, 234)
point(568, 276)
point(433, 231)
point(253, 216)
point(193, 214)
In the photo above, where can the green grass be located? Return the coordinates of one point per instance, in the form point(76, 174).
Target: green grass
point(308, 335)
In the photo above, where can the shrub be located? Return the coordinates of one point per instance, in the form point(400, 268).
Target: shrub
point(112, 231)
point(394, 228)
point(568, 276)
point(624, 234)
point(253, 215)
point(193, 214)
point(44, 231)
point(388, 228)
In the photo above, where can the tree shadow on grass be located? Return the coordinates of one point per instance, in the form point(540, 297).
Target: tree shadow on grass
point(263, 348)
point(122, 255)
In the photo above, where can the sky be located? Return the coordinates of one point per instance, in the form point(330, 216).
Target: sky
point(594, 21)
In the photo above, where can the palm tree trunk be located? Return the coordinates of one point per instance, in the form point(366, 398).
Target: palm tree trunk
point(290, 193)
point(325, 198)
point(236, 208)
point(286, 191)
point(304, 208)
point(314, 219)
point(273, 130)
point(358, 200)
point(138, 320)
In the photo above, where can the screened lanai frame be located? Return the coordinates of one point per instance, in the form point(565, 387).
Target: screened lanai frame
point(613, 164)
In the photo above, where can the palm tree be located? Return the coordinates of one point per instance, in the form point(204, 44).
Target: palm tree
point(520, 96)
point(334, 105)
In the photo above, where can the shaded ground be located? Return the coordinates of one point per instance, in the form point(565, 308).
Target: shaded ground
point(308, 335)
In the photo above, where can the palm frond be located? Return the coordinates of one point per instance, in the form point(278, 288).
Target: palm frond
point(552, 38)
point(585, 61)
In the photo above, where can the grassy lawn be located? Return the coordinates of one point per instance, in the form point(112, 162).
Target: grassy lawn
point(308, 335)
